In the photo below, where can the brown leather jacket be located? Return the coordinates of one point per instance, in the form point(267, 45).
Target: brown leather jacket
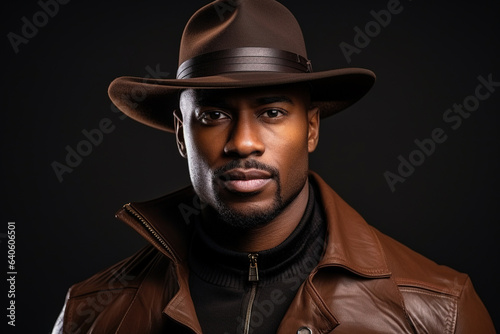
point(366, 282)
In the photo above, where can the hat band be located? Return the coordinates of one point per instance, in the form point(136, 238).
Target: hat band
point(247, 59)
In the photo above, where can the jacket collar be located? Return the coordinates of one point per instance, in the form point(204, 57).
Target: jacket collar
point(350, 238)
point(167, 223)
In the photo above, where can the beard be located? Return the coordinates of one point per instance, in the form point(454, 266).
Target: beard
point(254, 217)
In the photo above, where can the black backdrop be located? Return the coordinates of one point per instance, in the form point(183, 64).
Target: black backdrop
point(427, 59)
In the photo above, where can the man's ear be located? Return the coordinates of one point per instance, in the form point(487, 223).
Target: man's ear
point(313, 128)
point(179, 133)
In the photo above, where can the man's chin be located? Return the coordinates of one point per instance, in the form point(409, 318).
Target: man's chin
point(249, 218)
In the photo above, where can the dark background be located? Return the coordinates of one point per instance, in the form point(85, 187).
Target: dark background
point(426, 59)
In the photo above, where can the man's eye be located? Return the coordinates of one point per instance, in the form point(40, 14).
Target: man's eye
point(209, 116)
point(273, 113)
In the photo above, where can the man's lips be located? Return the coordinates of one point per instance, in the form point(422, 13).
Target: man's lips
point(245, 180)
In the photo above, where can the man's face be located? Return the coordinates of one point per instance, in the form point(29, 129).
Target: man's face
point(247, 149)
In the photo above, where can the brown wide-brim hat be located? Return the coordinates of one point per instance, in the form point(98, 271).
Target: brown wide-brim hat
point(239, 44)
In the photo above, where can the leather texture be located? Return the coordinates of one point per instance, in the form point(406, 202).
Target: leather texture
point(366, 282)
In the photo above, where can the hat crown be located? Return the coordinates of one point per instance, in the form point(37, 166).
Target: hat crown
point(232, 24)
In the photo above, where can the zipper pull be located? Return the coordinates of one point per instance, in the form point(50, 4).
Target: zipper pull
point(253, 270)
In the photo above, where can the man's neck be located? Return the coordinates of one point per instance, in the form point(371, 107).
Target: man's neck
point(264, 237)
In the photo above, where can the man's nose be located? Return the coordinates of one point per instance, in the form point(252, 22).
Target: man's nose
point(245, 138)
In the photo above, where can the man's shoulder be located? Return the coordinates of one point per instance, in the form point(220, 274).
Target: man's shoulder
point(114, 298)
point(367, 250)
point(435, 296)
point(412, 270)
point(128, 274)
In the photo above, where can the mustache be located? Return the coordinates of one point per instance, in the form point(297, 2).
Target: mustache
point(246, 164)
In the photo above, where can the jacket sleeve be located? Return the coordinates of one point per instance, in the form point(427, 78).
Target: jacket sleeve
point(58, 326)
point(472, 316)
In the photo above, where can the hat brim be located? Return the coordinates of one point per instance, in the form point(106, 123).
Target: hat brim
point(152, 101)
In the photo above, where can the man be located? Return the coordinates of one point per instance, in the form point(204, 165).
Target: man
point(259, 244)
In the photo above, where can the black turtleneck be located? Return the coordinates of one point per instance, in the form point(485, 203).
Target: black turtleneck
point(222, 288)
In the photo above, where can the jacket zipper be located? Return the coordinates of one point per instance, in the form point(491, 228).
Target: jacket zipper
point(151, 230)
point(253, 277)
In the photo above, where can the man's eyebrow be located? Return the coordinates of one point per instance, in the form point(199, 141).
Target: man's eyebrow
point(273, 99)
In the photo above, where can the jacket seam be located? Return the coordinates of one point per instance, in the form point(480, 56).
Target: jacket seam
point(342, 261)
point(467, 282)
point(427, 292)
point(393, 279)
point(136, 294)
point(431, 287)
point(86, 294)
